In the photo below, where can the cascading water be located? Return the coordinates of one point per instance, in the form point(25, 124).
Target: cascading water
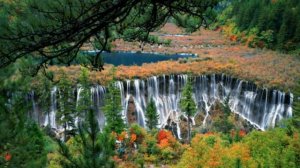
point(124, 97)
point(97, 94)
point(261, 107)
point(50, 118)
point(139, 101)
point(79, 90)
point(34, 114)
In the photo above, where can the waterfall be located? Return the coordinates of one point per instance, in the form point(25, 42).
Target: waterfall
point(263, 108)
point(78, 92)
point(139, 101)
point(34, 114)
point(124, 98)
point(97, 94)
point(50, 118)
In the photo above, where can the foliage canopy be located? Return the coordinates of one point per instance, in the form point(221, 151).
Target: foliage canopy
point(56, 30)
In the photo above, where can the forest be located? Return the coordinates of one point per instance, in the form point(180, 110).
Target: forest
point(271, 24)
point(226, 94)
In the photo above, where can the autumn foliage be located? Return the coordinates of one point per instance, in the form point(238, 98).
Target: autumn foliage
point(7, 156)
point(165, 139)
point(239, 133)
point(209, 151)
point(216, 55)
point(132, 138)
point(122, 136)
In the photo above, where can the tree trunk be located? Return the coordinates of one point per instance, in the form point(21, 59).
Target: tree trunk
point(189, 131)
point(48, 113)
point(65, 129)
point(142, 46)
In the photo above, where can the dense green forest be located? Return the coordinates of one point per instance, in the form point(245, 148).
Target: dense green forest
point(40, 40)
point(270, 23)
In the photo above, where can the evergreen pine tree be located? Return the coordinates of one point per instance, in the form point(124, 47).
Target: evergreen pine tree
point(296, 107)
point(84, 103)
point(282, 36)
point(280, 17)
point(66, 110)
point(95, 148)
point(151, 115)
point(43, 93)
point(188, 105)
point(297, 23)
point(226, 108)
point(21, 140)
point(223, 124)
point(112, 108)
point(31, 28)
